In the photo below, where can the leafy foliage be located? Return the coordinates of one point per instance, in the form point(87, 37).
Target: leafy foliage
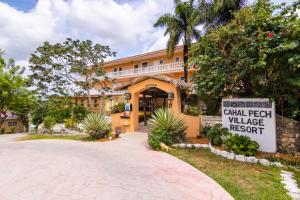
point(216, 134)
point(70, 122)
point(241, 144)
point(58, 108)
point(14, 96)
point(256, 54)
point(49, 122)
point(118, 108)
point(205, 130)
point(157, 136)
point(192, 110)
point(56, 67)
point(218, 12)
point(181, 25)
point(96, 125)
point(166, 127)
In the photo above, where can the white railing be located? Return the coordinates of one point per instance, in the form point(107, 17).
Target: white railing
point(154, 69)
point(115, 92)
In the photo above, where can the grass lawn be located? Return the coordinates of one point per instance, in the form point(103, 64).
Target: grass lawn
point(242, 180)
point(59, 137)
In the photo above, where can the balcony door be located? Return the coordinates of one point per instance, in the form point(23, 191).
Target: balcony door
point(144, 66)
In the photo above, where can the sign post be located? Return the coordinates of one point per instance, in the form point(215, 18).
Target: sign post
point(254, 118)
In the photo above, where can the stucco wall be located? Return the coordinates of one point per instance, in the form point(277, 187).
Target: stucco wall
point(117, 121)
point(192, 123)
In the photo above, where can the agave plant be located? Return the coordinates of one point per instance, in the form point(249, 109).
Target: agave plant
point(97, 125)
point(165, 120)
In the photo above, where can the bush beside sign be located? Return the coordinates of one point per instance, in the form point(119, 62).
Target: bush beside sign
point(252, 117)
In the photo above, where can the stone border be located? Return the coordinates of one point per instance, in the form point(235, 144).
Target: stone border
point(290, 184)
point(230, 155)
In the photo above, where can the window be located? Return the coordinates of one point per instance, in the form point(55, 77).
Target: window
point(95, 103)
point(144, 64)
point(82, 102)
point(115, 69)
point(161, 62)
point(177, 59)
point(136, 67)
point(12, 123)
point(120, 69)
point(182, 78)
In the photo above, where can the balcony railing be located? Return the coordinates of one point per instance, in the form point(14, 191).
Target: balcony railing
point(150, 70)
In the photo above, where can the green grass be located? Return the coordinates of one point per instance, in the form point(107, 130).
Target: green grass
point(242, 180)
point(56, 137)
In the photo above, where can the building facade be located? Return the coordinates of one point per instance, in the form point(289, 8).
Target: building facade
point(151, 80)
point(12, 124)
point(122, 71)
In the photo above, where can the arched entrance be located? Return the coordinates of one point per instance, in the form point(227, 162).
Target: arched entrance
point(149, 100)
point(149, 90)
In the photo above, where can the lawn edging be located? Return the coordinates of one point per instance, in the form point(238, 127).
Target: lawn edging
point(230, 155)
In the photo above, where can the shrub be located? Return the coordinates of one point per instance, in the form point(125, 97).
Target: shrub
point(157, 136)
point(70, 122)
point(2, 131)
point(216, 133)
point(192, 110)
point(79, 112)
point(205, 130)
point(118, 108)
point(49, 122)
point(241, 144)
point(166, 127)
point(97, 125)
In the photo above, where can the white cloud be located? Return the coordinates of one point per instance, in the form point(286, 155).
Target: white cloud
point(127, 28)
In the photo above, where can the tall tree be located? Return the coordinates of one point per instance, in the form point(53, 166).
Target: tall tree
point(182, 24)
point(73, 67)
point(254, 55)
point(11, 83)
point(219, 12)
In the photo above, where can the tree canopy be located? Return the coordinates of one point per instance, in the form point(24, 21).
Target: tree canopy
point(254, 55)
point(14, 95)
point(71, 67)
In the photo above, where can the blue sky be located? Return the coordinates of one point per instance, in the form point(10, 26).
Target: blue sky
point(125, 25)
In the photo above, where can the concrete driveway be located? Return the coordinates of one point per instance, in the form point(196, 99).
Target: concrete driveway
point(121, 169)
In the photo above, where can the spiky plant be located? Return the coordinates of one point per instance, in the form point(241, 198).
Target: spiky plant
point(166, 121)
point(97, 125)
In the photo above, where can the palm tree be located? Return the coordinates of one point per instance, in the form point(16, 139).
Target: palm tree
point(181, 25)
point(219, 12)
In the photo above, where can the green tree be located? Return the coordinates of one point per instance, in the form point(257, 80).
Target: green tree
point(255, 55)
point(23, 103)
point(181, 25)
point(219, 12)
point(12, 84)
point(72, 67)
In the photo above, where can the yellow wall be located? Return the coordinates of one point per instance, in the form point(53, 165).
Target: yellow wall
point(136, 89)
point(192, 123)
point(19, 128)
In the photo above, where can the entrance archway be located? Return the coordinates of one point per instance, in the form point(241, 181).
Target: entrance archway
point(151, 86)
point(150, 100)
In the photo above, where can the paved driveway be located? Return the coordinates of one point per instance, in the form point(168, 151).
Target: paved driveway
point(122, 169)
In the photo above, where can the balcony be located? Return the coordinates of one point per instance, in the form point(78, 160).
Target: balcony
point(150, 70)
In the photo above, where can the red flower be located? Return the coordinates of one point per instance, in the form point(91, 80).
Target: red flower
point(270, 35)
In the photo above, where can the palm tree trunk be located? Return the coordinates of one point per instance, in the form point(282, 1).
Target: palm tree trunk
point(185, 62)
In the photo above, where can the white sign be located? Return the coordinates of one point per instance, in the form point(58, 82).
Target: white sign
point(254, 118)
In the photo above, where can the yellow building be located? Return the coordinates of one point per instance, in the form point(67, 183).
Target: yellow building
point(149, 81)
point(13, 124)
